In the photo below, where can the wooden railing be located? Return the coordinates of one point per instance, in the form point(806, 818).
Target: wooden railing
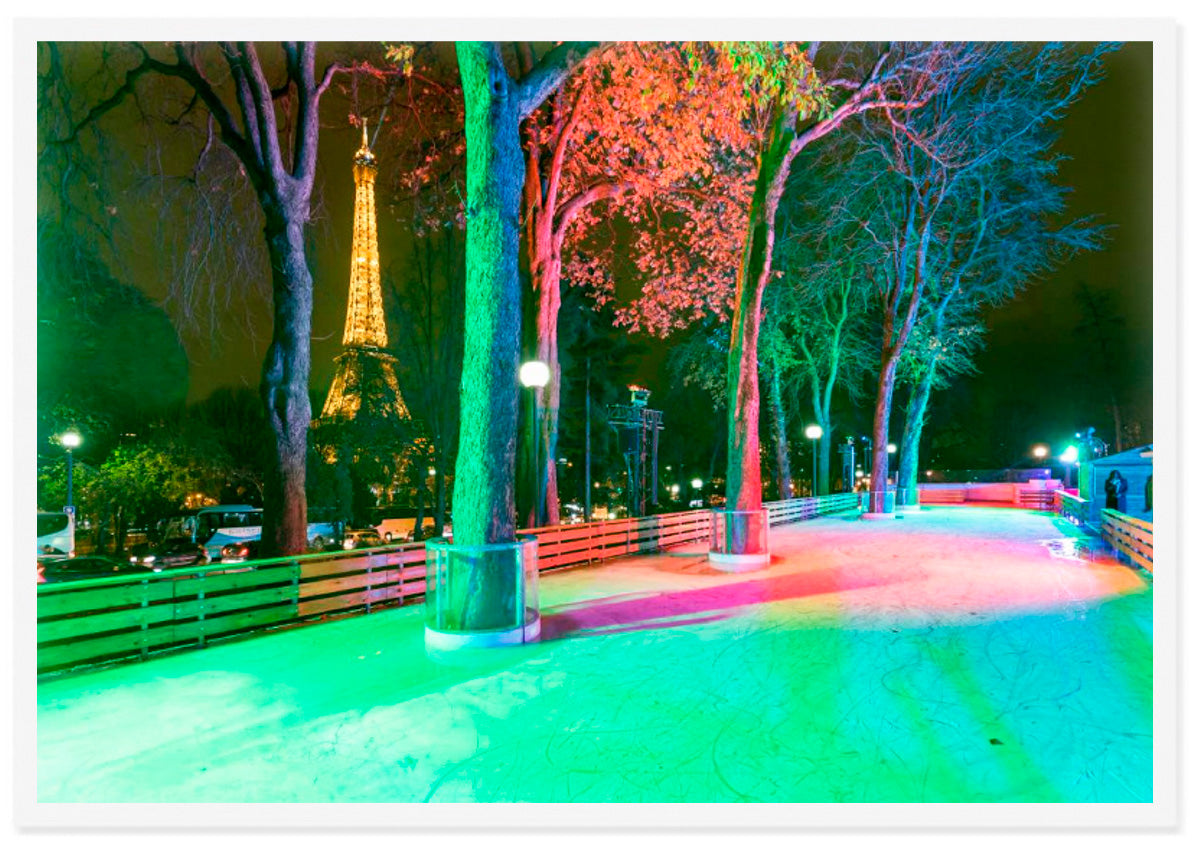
point(795, 510)
point(106, 619)
point(1071, 507)
point(1041, 500)
point(1133, 538)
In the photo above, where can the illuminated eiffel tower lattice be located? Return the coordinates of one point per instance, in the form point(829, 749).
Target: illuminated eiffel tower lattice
point(365, 382)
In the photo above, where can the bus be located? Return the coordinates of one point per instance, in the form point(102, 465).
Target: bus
point(56, 533)
point(216, 526)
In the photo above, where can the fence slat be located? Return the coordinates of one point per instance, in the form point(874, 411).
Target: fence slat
point(1130, 536)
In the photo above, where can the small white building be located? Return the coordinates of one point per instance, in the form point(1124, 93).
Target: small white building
point(1136, 467)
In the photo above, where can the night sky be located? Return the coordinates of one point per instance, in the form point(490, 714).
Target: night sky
point(1029, 383)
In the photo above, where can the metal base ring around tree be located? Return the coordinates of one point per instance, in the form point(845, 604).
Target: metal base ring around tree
point(482, 595)
point(450, 641)
point(730, 563)
point(869, 515)
point(739, 541)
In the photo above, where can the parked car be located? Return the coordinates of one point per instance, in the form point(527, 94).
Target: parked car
point(242, 550)
point(364, 538)
point(85, 566)
point(170, 554)
point(397, 525)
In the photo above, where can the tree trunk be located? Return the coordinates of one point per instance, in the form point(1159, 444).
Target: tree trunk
point(910, 441)
point(879, 435)
point(547, 350)
point(893, 346)
point(284, 387)
point(783, 464)
point(823, 448)
point(484, 506)
point(743, 480)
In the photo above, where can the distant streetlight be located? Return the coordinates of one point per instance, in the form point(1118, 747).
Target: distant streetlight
point(814, 432)
point(1040, 451)
point(697, 483)
point(891, 448)
point(534, 375)
point(70, 441)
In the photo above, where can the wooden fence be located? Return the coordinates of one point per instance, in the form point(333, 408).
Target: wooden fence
point(1032, 494)
point(1071, 507)
point(1133, 538)
point(107, 619)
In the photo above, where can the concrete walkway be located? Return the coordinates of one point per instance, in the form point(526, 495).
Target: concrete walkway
point(960, 654)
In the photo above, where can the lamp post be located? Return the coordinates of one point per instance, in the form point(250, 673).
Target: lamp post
point(1068, 458)
point(814, 432)
point(70, 441)
point(534, 376)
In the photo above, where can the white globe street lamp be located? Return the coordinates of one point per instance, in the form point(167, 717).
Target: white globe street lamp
point(814, 432)
point(70, 440)
point(534, 375)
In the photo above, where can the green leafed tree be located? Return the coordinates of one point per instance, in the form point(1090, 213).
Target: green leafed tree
point(496, 102)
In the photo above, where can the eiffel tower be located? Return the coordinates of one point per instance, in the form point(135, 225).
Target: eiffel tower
point(365, 381)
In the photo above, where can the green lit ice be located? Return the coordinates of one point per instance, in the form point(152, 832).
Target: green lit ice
point(963, 654)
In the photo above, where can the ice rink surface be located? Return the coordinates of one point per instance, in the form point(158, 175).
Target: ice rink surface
point(962, 654)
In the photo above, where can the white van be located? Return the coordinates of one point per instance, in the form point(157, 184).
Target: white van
point(396, 525)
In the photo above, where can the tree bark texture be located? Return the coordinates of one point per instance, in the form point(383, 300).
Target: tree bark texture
point(910, 441)
point(484, 498)
point(822, 399)
point(783, 466)
point(743, 478)
point(898, 322)
point(879, 434)
point(824, 444)
point(284, 385)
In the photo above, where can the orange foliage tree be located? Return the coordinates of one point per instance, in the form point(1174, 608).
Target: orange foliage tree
point(636, 136)
point(775, 92)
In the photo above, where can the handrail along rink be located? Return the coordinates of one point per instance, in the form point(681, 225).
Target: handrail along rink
point(1131, 537)
point(102, 620)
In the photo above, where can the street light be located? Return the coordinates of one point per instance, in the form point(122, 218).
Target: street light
point(1040, 451)
point(814, 432)
point(534, 376)
point(70, 441)
point(1069, 457)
